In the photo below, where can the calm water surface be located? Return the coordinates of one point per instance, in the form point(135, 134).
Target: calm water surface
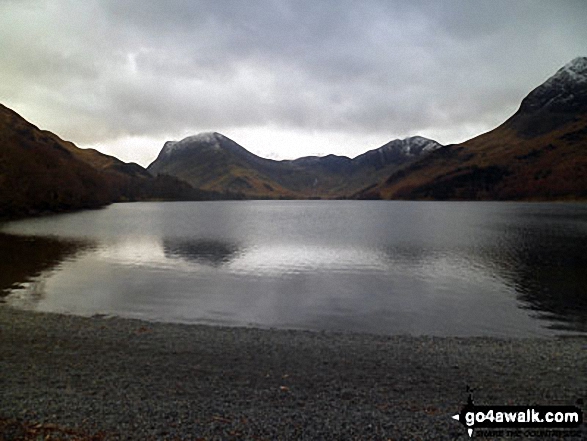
point(436, 268)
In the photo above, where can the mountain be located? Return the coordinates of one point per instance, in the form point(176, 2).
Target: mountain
point(39, 172)
point(42, 173)
point(539, 153)
point(212, 161)
point(396, 152)
point(554, 103)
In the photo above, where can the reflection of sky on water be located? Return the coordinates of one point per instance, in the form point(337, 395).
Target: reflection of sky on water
point(284, 260)
point(471, 280)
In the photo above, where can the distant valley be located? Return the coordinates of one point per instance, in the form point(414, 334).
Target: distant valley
point(540, 153)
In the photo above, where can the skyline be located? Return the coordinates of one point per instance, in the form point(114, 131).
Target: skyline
point(284, 79)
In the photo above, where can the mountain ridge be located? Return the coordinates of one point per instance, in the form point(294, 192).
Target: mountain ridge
point(554, 102)
point(539, 153)
point(42, 173)
point(212, 161)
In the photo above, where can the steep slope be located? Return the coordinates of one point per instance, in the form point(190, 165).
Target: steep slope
point(41, 173)
point(214, 162)
point(540, 153)
point(131, 182)
point(396, 152)
point(554, 103)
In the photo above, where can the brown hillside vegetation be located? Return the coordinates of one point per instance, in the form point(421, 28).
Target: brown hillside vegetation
point(540, 153)
point(39, 173)
point(498, 165)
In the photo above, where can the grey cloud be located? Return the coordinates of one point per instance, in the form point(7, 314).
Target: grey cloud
point(159, 67)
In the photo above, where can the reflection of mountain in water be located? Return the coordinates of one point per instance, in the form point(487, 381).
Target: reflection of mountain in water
point(25, 257)
point(544, 256)
point(551, 281)
point(206, 252)
point(545, 266)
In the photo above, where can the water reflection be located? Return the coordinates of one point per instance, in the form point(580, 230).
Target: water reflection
point(284, 260)
point(206, 252)
point(548, 272)
point(438, 269)
point(540, 252)
point(544, 264)
point(23, 258)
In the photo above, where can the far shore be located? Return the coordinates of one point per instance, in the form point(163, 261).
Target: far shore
point(44, 213)
point(112, 378)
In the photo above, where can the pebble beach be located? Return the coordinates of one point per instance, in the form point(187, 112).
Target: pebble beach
point(102, 378)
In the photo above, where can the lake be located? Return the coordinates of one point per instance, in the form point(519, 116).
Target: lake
point(433, 268)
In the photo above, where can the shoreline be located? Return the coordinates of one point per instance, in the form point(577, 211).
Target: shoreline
point(132, 379)
point(14, 217)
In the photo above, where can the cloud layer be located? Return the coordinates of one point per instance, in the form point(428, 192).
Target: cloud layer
point(293, 76)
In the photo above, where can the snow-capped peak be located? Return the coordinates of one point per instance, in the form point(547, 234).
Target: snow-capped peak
point(210, 139)
point(413, 145)
point(575, 70)
point(565, 91)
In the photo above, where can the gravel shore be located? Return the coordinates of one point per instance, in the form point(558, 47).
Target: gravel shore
point(71, 377)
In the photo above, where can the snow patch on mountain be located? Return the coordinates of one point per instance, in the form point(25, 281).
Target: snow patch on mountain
point(569, 76)
point(412, 146)
point(419, 145)
point(565, 91)
point(575, 70)
point(208, 139)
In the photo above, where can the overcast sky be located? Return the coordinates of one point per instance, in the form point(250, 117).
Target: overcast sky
point(283, 78)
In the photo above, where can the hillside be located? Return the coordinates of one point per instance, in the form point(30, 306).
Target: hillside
point(41, 173)
point(540, 153)
point(214, 162)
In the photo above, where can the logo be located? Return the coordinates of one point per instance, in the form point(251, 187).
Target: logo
point(516, 417)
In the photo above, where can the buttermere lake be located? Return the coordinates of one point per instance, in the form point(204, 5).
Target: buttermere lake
point(434, 268)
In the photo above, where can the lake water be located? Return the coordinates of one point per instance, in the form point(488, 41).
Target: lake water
point(435, 268)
